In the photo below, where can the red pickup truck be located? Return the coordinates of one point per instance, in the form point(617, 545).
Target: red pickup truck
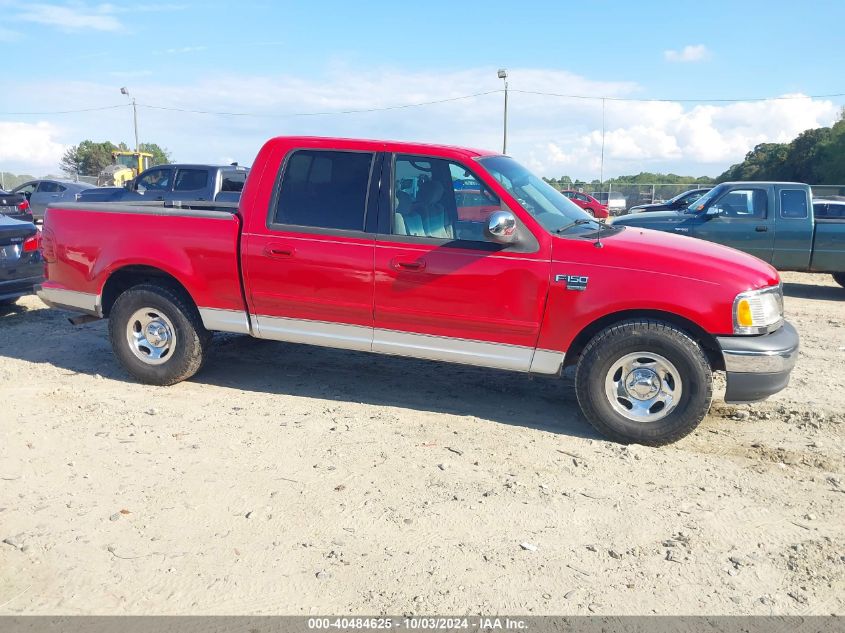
point(361, 245)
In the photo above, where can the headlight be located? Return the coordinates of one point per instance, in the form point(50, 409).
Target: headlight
point(758, 311)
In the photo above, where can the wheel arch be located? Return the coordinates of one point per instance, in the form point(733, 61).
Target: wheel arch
point(706, 340)
point(126, 277)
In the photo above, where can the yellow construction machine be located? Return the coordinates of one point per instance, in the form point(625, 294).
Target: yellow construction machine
point(126, 164)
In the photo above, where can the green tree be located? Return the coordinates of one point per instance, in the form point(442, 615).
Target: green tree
point(88, 158)
point(160, 155)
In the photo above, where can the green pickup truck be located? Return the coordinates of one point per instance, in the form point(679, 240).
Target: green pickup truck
point(771, 220)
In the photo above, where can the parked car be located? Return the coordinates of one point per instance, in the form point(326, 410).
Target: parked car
point(829, 209)
point(613, 200)
point(42, 192)
point(770, 220)
point(15, 206)
point(20, 260)
point(587, 202)
point(219, 183)
point(323, 250)
point(678, 203)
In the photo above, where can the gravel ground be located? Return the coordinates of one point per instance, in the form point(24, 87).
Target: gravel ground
point(293, 480)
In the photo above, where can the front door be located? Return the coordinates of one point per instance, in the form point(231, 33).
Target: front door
point(442, 290)
point(309, 268)
point(742, 218)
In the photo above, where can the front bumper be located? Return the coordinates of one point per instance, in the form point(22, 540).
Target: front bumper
point(758, 366)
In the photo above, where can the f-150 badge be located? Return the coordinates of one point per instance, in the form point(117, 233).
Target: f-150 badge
point(573, 282)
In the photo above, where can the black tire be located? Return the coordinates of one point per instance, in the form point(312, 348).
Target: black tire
point(839, 278)
point(610, 347)
point(191, 339)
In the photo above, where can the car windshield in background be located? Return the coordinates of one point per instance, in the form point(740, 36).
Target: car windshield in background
point(698, 204)
point(546, 204)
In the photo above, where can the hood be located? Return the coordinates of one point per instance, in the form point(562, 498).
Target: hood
point(642, 249)
point(651, 217)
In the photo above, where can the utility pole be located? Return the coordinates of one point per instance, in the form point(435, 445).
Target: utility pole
point(503, 74)
point(601, 167)
point(124, 91)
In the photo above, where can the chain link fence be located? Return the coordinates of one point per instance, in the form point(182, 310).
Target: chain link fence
point(622, 197)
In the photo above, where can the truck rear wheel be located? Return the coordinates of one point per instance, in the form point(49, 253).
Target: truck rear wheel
point(839, 278)
point(157, 334)
point(644, 382)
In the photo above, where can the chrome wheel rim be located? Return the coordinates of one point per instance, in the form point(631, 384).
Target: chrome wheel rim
point(643, 387)
point(151, 336)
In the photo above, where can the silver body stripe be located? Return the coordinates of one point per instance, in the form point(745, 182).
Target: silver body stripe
point(357, 337)
point(443, 348)
point(225, 320)
point(58, 297)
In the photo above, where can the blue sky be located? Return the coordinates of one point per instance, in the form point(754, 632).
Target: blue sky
point(276, 58)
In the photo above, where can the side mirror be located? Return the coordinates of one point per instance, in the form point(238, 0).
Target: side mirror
point(501, 227)
point(129, 184)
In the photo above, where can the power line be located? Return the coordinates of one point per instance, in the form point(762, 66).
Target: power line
point(655, 100)
point(423, 103)
point(328, 113)
point(96, 109)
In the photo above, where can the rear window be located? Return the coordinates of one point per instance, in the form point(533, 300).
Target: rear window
point(324, 189)
point(793, 203)
point(233, 181)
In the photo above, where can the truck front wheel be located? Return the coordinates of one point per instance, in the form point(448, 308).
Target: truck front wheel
point(839, 278)
point(157, 334)
point(644, 382)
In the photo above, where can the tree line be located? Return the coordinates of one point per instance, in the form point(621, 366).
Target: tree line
point(816, 156)
point(90, 157)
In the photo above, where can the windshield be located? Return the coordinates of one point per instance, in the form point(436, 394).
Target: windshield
point(546, 204)
point(702, 202)
point(127, 160)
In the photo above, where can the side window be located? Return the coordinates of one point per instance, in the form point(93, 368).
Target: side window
point(27, 190)
point(233, 181)
point(438, 198)
point(324, 189)
point(744, 204)
point(190, 179)
point(154, 180)
point(49, 187)
point(582, 197)
point(793, 204)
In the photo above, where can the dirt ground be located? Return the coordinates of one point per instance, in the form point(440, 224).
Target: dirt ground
point(285, 479)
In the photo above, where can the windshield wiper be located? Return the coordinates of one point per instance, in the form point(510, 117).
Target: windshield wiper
point(577, 222)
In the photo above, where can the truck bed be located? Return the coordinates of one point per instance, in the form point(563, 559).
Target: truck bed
point(85, 245)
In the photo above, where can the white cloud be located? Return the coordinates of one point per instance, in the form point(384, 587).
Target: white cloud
point(555, 136)
point(79, 16)
point(703, 138)
point(30, 147)
point(690, 53)
point(71, 17)
point(8, 35)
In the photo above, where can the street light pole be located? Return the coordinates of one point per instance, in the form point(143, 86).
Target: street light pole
point(124, 91)
point(503, 74)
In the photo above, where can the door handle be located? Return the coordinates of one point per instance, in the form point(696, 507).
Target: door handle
point(417, 265)
point(761, 228)
point(279, 252)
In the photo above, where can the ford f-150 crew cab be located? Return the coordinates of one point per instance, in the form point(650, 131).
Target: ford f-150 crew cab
point(771, 220)
point(365, 245)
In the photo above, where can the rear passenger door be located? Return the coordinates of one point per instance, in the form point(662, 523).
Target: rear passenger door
point(190, 184)
point(309, 269)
